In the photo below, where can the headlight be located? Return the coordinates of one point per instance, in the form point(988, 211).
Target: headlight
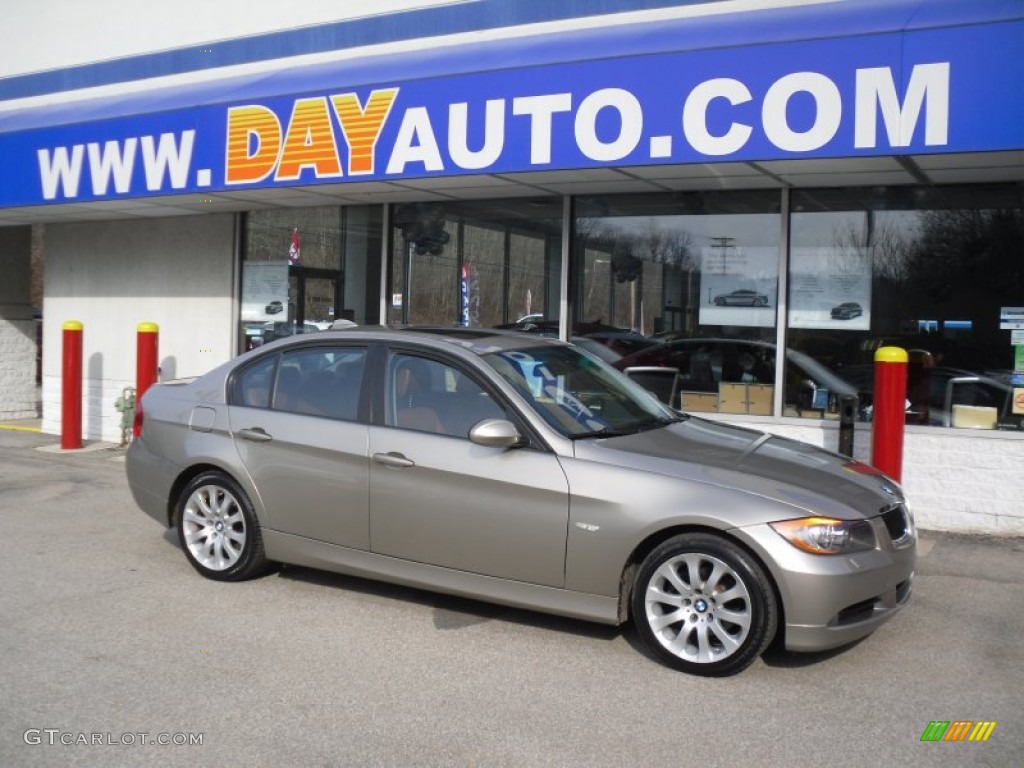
point(826, 535)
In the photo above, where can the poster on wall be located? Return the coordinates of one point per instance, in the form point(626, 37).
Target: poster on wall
point(830, 288)
point(264, 291)
point(738, 285)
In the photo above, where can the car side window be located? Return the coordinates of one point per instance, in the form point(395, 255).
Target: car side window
point(430, 396)
point(252, 386)
point(320, 381)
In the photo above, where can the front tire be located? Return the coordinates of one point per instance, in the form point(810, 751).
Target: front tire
point(218, 530)
point(703, 605)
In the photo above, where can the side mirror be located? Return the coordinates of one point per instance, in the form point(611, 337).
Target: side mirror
point(495, 433)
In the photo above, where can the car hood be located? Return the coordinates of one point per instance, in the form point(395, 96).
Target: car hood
point(779, 468)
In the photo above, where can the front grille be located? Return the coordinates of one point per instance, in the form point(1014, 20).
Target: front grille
point(899, 525)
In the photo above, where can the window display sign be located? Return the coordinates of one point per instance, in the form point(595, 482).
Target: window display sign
point(830, 288)
point(1011, 318)
point(1018, 380)
point(264, 291)
point(738, 285)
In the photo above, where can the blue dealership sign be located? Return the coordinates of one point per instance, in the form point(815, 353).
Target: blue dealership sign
point(942, 90)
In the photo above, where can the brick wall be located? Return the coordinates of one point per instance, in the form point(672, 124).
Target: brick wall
point(17, 369)
point(17, 328)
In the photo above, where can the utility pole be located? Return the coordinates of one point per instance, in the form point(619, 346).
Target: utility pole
point(722, 244)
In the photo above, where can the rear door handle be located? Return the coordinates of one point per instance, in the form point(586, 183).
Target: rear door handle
point(256, 434)
point(393, 460)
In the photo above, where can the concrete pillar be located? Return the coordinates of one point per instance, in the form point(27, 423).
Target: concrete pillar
point(18, 393)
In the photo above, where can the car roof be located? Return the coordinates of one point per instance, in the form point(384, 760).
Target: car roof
point(479, 341)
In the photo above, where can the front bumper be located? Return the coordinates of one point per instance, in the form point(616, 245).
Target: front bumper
point(832, 600)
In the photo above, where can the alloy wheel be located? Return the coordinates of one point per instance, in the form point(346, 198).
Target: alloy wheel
point(213, 527)
point(698, 608)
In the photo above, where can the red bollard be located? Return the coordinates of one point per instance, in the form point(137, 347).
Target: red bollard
point(890, 405)
point(147, 343)
point(71, 387)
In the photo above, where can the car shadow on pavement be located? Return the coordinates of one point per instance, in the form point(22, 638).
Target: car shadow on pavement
point(778, 656)
point(450, 612)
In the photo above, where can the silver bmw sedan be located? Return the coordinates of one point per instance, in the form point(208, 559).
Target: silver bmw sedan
point(523, 471)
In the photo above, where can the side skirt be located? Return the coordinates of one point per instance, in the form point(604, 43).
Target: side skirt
point(297, 550)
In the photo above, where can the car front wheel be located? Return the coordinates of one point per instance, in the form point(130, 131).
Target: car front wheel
point(218, 530)
point(703, 605)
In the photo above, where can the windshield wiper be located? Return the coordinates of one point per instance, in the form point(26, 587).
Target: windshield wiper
point(643, 427)
point(603, 432)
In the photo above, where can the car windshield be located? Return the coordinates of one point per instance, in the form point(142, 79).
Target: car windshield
point(578, 394)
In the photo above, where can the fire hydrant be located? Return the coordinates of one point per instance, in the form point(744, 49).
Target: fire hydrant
point(126, 405)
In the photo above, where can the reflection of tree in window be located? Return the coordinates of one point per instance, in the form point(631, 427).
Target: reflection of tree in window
point(505, 247)
point(624, 263)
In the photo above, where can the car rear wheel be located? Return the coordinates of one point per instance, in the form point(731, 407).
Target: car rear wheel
point(703, 605)
point(218, 530)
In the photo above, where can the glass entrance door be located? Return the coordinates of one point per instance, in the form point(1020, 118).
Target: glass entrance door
point(313, 298)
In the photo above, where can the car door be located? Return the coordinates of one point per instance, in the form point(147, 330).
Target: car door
point(294, 417)
point(438, 498)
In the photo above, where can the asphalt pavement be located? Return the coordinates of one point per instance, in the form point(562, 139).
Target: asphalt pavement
point(116, 653)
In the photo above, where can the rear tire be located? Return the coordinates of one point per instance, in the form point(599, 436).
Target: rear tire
point(218, 530)
point(704, 605)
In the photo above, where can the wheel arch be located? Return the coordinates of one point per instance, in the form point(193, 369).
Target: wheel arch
point(187, 476)
point(627, 578)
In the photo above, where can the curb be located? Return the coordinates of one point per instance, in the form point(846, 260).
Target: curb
point(21, 428)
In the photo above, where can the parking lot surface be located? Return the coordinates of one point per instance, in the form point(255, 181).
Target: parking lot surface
point(116, 653)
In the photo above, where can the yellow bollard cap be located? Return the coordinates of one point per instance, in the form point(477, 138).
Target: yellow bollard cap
point(72, 325)
point(891, 355)
point(147, 328)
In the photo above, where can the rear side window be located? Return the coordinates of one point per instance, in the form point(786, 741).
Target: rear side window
point(320, 381)
point(252, 387)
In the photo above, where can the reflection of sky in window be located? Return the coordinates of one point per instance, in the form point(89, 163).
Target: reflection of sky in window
point(744, 229)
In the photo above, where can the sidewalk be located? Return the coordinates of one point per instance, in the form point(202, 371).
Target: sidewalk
point(53, 442)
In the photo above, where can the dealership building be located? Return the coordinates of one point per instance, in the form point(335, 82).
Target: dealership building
point(820, 179)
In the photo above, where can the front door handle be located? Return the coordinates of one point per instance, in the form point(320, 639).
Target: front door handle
point(256, 434)
point(393, 460)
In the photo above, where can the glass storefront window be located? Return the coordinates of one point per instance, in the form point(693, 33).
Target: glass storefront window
point(685, 281)
point(689, 282)
point(476, 263)
point(530, 279)
point(304, 268)
point(932, 270)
